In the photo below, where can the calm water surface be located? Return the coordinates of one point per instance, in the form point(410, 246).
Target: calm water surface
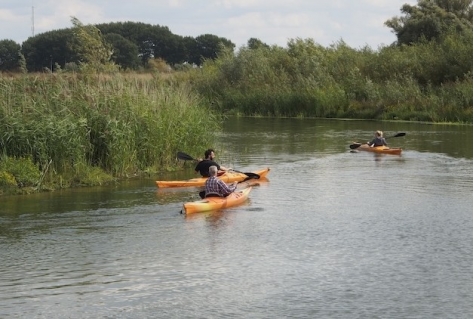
point(331, 234)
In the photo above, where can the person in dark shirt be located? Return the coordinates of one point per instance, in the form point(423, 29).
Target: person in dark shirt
point(203, 166)
point(378, 140)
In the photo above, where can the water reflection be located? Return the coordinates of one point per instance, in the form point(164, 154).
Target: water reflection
point(174, 195)
point(269, 138)
point(353, 233)
point(212, 217)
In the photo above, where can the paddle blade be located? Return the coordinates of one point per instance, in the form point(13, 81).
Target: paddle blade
point(249, 175)
point(252, 176)
point(184, 156)
point(400, 134)
point(354, 146)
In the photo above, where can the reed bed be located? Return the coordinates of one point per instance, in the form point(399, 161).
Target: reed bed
point(90, 129)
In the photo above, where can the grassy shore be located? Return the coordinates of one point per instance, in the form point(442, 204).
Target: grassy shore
point(66, 130)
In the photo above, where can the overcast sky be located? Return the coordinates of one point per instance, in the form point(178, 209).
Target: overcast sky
point(356, 22)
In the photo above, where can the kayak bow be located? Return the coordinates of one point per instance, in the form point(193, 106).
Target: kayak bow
point(215, 203)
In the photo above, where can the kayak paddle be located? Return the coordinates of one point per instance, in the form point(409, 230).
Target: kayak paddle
point(186, 157)
point(357, 145)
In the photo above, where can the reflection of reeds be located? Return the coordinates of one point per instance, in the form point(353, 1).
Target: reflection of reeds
point(174, 195)
point(85, 127)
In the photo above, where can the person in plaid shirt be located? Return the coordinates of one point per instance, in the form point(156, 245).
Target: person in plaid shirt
point(216, 187)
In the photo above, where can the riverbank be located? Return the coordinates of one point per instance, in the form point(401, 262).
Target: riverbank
point(69, 130)
point(74, 130)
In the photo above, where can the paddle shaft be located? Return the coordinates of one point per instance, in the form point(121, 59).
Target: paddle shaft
point(186, 157)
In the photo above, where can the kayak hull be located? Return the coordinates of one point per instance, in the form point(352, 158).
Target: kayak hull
point(227, 177)
point(216, 203)
point(380, 149)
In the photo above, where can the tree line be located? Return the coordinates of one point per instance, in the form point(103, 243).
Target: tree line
point(132, 45)
point(426, 75)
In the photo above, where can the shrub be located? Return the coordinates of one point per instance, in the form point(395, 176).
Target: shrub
point(24, 172)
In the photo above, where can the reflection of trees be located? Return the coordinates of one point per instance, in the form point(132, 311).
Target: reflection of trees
point(264, 137)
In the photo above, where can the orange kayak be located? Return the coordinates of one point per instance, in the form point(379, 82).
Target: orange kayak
point(380, 149)
point(215, 203)
point(227, 177)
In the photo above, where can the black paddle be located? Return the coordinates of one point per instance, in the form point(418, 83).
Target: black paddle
point(186, 157)
point(357, 145)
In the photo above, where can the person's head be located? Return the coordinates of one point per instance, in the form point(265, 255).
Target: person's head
point(212, 170)
point(379, 133)
point(209, 154)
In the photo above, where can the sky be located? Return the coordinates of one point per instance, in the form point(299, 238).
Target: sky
point(358, 23)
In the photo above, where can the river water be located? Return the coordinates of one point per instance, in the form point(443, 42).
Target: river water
point(330, 234)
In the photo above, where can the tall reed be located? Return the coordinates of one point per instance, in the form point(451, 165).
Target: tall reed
point(111, 125)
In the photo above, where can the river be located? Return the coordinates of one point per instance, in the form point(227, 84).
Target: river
point(330, 234)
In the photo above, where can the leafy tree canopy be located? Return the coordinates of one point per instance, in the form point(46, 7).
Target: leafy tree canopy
point(44, 50)
point(431, 19)
point(9, 55)
point(254, 43)
point(90, 46)
point(125, 52)
point(127, 44)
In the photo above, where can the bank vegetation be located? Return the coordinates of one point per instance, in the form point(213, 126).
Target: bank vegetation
point(96, 123)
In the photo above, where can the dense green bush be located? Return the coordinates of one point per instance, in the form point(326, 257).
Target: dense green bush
point(428, 81)
point(18, 175)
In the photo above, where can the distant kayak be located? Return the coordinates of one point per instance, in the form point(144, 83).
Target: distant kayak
point(215, 203)
point(380, 149)
point(227, 177)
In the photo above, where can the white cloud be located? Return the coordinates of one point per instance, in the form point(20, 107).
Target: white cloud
point(10, 17)
point(176, 3)
point(273, 22)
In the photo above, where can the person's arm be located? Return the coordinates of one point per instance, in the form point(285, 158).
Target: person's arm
point(226, 190)
point(233, 186)
point(224, 170)
point(220, 168)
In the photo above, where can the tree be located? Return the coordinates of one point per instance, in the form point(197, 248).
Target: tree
point(116, 42)
point(153, 41)
point(254, 43)
point(9, 55)
point(125, 52)
point(208, 46)
point(45, 50)
point(431, 19)
point(461, 8)
point(93, 51)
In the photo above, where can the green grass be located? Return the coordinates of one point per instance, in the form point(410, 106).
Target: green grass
point(90, 129)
